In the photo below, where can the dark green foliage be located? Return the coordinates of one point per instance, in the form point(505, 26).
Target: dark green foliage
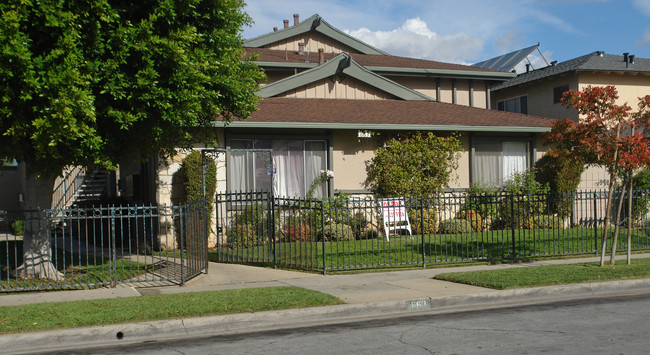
point(92, 82)
point(525, 199)
point(18, 227)
point(191, 176)
point(418, 166)
point(561, 170)
point(484, 200)
point(454, 226)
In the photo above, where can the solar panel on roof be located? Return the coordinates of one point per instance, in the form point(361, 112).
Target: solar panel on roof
point(508, 61)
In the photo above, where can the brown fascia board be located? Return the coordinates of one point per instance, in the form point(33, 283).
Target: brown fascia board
point(383, 65)
point(387, 114)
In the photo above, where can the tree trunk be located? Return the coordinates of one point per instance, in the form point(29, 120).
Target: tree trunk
point(629, 222)
point(608, 210)
point(619, 209)
point(37, 251)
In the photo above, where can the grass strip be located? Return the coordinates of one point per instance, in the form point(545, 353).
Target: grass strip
point(548, 275)
point(73, 314)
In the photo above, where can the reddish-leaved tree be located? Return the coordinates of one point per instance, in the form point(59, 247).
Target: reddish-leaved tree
point(611, 136)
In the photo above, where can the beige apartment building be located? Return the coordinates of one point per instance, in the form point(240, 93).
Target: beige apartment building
point(330, 100)
point(538, 92)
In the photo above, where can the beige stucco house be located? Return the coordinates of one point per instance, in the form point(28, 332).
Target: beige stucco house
point(330, 100)
point(538, 92)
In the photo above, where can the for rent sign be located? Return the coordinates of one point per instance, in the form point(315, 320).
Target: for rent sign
point(394, 215)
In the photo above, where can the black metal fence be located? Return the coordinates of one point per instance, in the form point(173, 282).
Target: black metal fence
point(104, 245)
point(354, 233)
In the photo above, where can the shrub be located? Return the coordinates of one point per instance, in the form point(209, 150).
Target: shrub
point(454, 226)
point(243, 236)
point(18, 227)
point(641, 184)
point(546, 221)
point(474, 218)
point(372, 233)
point(191, 175)
point(359, 224)
point(484, 200)
point(526, 198)
point(427, 216)
point(418, 166)
point(255, 215)
point(336, 232)
point(561, 170)
point(296, 233)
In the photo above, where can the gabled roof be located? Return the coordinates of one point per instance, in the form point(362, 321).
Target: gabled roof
point(507, 61)
point(341, 64)
point(387, 114)
point(384, 65)
point(314, 23)
point(593, 62)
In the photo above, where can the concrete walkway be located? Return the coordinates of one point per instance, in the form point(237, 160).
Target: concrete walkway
point(379, 294)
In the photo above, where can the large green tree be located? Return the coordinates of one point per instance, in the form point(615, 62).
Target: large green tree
point(85, 82)
point(420, 165)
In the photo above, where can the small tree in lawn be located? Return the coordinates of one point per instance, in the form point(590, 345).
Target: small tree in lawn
point(607, 135)
point(417, 166)
point(93, 82)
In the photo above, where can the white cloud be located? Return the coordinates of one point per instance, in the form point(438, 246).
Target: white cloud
point(415, 39)
point(513, 38)
point(645, 40)
point(643, 6)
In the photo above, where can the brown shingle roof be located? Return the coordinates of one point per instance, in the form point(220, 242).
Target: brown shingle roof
point(380, 112)
point(390, 61)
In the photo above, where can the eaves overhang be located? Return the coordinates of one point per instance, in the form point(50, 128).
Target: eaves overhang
point(371, 126)
point(464, 74)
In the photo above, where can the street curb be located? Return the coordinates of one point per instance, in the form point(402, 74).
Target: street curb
point(122, 334)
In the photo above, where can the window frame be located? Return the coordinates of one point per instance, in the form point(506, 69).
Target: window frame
point(557, 96)
point(272, 138)
point(530, 156)
point(523, 104)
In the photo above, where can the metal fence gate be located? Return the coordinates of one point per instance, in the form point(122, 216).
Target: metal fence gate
point(104, 245)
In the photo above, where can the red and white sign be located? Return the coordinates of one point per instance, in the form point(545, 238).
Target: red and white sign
point(393, 211)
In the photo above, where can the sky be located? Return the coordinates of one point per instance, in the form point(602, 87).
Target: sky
point(470, 31)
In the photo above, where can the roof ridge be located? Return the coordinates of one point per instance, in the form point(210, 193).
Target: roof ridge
point(318, 24)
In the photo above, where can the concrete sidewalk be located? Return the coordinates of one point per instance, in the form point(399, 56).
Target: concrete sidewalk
point(380, 294)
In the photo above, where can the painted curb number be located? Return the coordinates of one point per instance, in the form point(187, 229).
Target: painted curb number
point(418, 304)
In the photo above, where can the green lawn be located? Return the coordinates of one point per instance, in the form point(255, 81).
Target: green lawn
point(551, 275)
point(430, 248)
point(74, 314)
point(78, 269)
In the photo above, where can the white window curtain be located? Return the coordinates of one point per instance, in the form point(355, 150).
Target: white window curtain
point(289, 179)
point(240, 167)
point(496, 162)
point(315, 159)
point(296, 164)
point(487, 167)
point(514, 158)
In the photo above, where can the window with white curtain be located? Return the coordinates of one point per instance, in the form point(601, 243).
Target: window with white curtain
point(495, 162)
point(296, 165)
